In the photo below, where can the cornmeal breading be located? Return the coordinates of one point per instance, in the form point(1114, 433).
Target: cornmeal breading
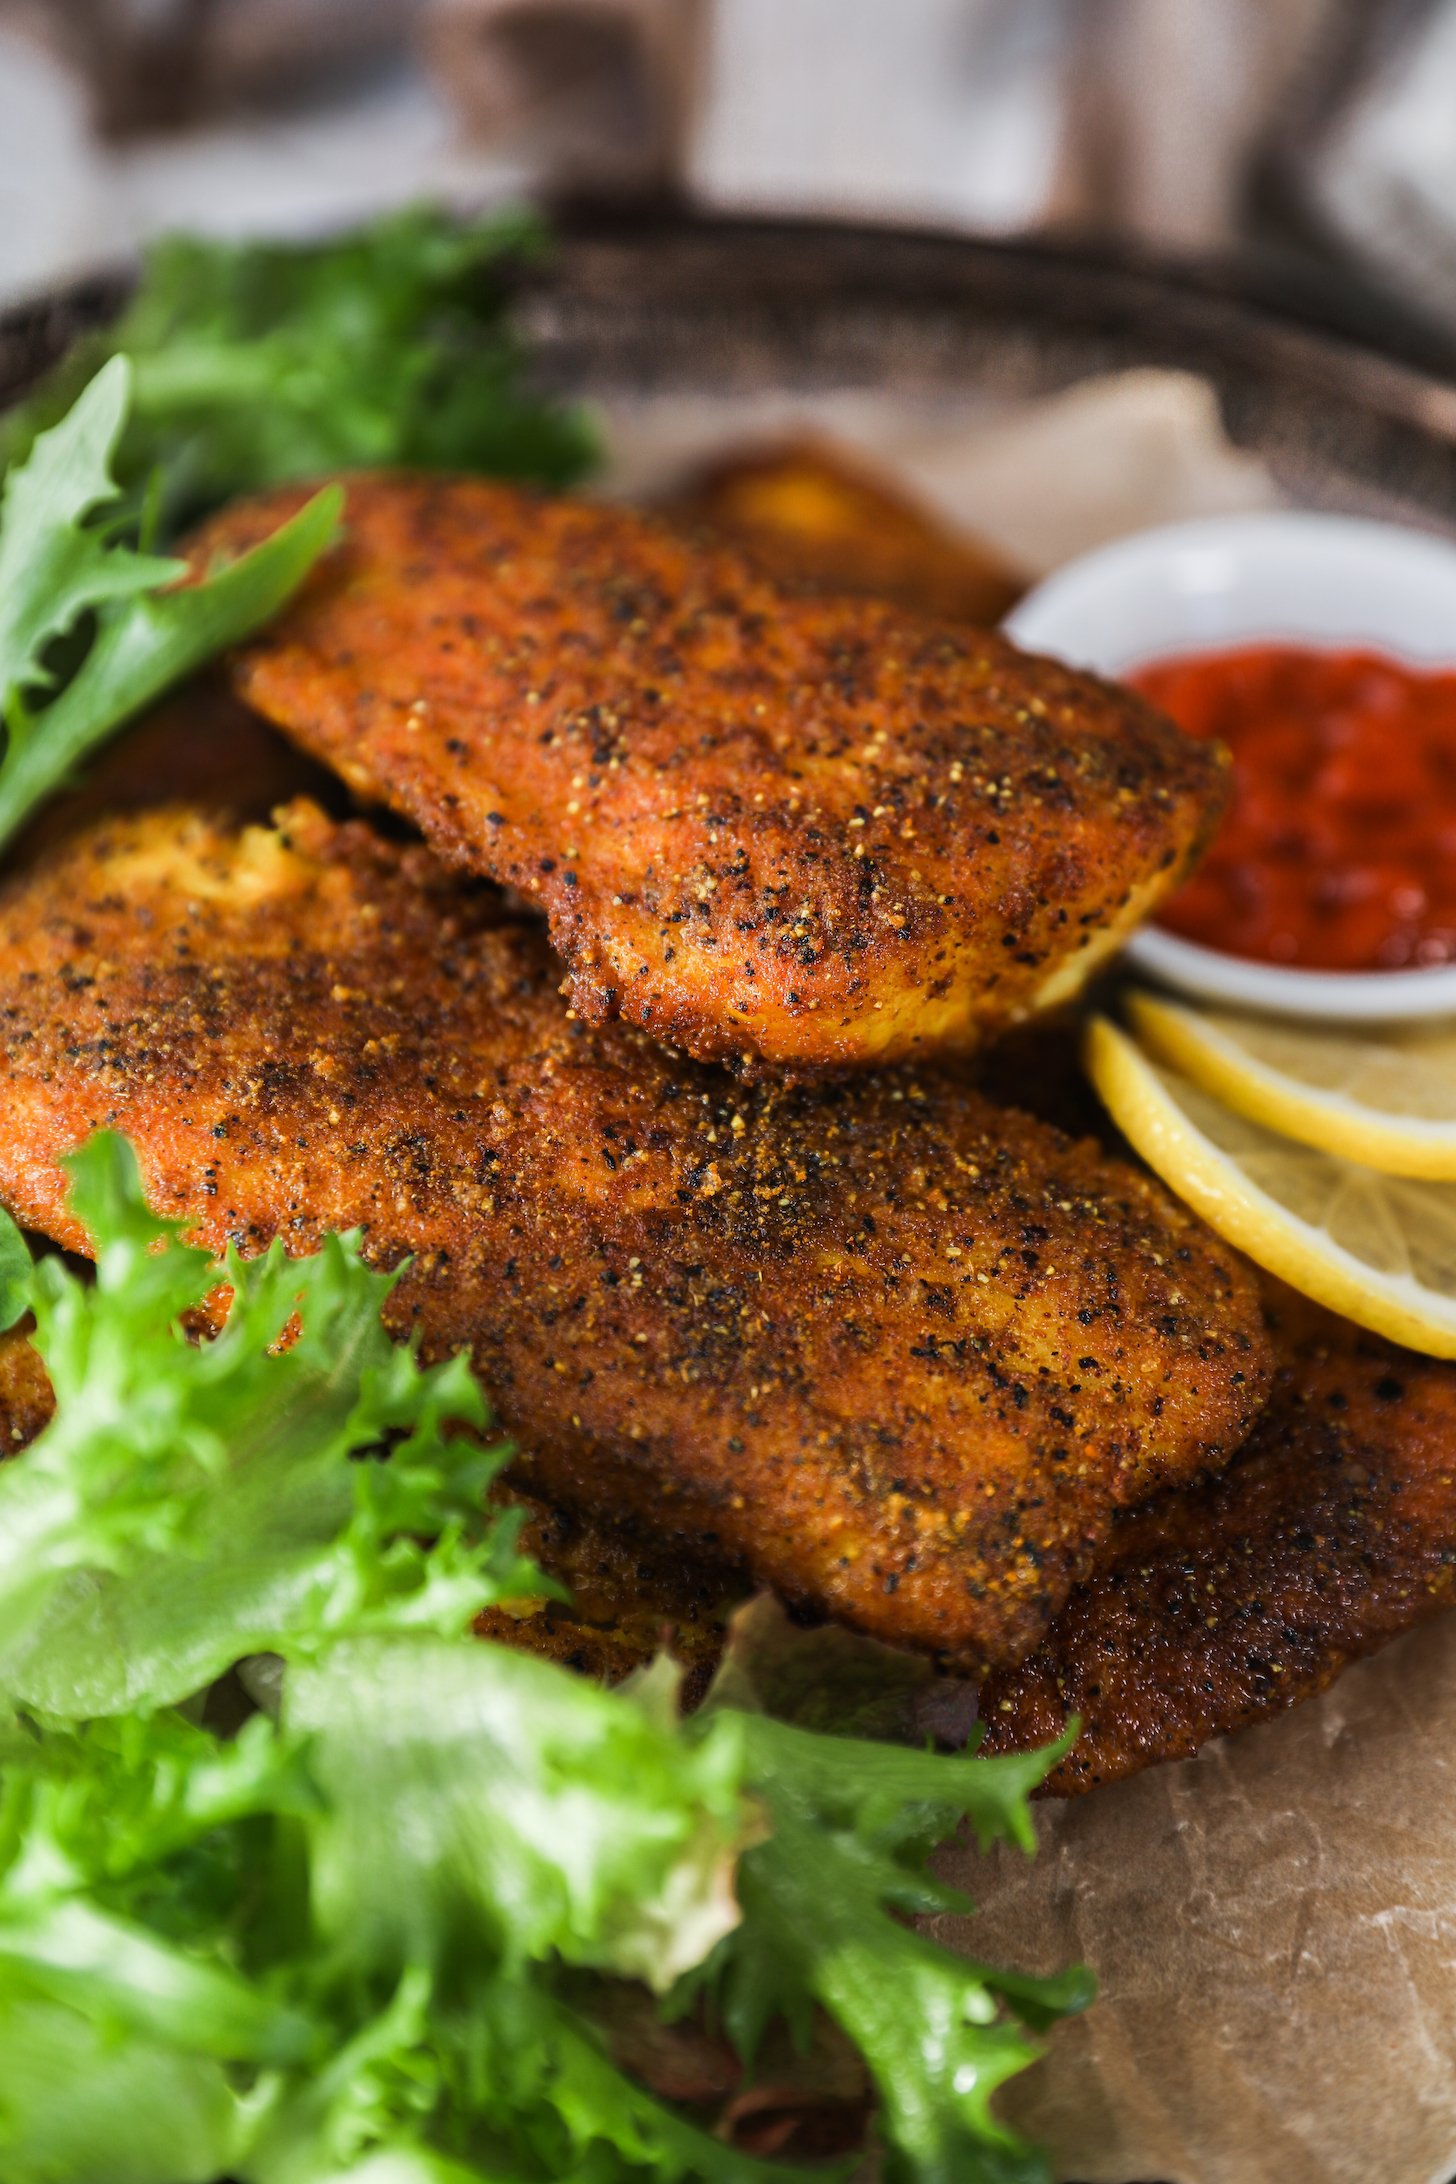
point(1329, 1535)
point(26, 1401)
point(810, 511)
point(631, 1597)
point(804, 833)
point(899, 1351)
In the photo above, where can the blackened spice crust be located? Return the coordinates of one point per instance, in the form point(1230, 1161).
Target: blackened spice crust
point(783, 831)
point(900, 1351)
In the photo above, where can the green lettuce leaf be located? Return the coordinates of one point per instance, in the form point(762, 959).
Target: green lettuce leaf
point(65, 583)
point(129, 2027)
point(867, 1815)
point(520, 1813)
point(191, 1503)
point(260, 362)
point(825, 1897)
point(52, 567)
point(508, 2084)
point(79, 2101)
point(380, 1931)
point(15, 1274)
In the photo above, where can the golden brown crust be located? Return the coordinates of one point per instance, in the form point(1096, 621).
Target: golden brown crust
point(899, 1351)
point(810, 511)
point(630, 1598)
point(812, 833)
point(1333, 1532)
point(26, 1401)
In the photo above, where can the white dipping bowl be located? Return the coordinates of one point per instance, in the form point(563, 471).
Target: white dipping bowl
point(1338, 582)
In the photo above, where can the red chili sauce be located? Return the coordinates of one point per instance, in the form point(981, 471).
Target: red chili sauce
point(1338, 849)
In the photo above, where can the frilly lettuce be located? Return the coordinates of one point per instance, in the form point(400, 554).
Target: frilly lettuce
point(256, 362)
point(92, 628)
point(374, 1933)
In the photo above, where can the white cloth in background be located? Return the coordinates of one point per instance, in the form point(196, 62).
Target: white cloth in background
point(301, 173)
point(934, 110)
point(71, 205)
point(1138, 118)
point(998, 116)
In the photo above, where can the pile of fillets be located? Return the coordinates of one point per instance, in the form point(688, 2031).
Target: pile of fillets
point(641, 947)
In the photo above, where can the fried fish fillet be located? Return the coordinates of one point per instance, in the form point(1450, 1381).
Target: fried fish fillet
point(630, 1597)
point(898, 1351)
point(813, 511)
point(26, 1401)
point(1218, 1606)
point(805, 832)
point(1331, 1533)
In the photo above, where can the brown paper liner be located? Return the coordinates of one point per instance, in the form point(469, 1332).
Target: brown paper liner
point(1274, 1928)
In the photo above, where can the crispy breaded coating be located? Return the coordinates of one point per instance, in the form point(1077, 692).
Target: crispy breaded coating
point(1333, 1532)
point(26, 1400)
point(630, 1598)
point(898, 1351)
point(812, 833)
point(813, 511)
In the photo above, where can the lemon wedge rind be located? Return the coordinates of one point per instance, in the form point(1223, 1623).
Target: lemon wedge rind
point(1143, 1100)
point(1199, 1047)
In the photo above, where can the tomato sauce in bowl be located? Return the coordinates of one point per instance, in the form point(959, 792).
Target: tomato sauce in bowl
point(1338, 850)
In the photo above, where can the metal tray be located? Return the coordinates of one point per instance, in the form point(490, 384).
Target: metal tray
point(672, 305)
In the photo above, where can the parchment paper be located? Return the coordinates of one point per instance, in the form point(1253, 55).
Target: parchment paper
point(1038, 481)
point(1274, 1928)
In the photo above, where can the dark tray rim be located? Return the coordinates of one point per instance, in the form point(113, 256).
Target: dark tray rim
point(692, 259)
point(1239, 323)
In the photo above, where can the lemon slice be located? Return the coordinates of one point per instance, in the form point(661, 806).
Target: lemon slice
point(1386, 1098)
point(1378, 1248)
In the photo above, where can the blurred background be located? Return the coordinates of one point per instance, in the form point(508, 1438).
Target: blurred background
point(1302, 151)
